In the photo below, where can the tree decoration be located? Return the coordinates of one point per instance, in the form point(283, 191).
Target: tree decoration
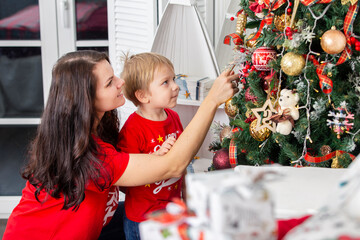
point(340, 121)
point(258, 135)
point(282, 21)
point(221, 159)
point(296, 5)
point(292, 64)
point(270, 84)
point(241, 22)
point(325, 150)
point(322, 81)
point(333, 41)
point(251, 43)
point(335, 161)
point(236, 37)
point(261, 58)
point(288, 111)
point(250, 96)
point(352, 2)
point(231, 109)
point(225, 133)
point(263, 115)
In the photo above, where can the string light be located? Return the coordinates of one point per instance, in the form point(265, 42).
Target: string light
point(308, 99)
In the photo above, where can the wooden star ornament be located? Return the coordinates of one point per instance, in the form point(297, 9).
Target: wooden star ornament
point(264, 121)
point(343, 2)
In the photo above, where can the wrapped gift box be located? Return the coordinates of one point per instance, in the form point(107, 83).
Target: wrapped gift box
point(221, 205)
point(233, 204)
point(190, 87)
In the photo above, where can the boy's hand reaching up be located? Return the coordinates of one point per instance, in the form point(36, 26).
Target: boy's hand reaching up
point(166, 146)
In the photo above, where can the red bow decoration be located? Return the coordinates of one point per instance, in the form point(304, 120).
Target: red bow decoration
point(267, 20)
point(256, 7)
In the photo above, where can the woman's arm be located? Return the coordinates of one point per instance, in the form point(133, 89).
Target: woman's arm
point(149, 168)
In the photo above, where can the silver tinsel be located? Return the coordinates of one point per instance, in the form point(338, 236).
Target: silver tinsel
point(300, 85)
point(299, 137)
point(319, 107)
point(216, 128)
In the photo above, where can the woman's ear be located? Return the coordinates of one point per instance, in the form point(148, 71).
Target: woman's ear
point(142, 96)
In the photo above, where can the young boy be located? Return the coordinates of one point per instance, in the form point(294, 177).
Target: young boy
point(152, 129)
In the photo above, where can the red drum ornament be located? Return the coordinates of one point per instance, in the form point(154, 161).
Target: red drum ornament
point(261, 58)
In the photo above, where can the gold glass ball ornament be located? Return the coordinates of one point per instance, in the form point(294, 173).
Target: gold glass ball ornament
point(231, 109)
point(292, 64)
point(333, 41)
point(281, 21)
point(260, 135)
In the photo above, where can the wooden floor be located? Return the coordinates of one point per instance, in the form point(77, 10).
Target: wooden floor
point(2, 227)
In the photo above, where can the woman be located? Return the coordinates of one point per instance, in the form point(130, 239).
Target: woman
point(74, 166)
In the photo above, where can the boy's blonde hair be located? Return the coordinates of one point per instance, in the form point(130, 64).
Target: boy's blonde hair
point(138, 72)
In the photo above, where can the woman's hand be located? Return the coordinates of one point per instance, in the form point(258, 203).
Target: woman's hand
point(224, 87)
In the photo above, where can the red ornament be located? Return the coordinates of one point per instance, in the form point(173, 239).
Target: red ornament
point(221, 159)
point(261, 58)
point(249, 96)
point(357, 44)
point(352, 40)
point(264, 84)
point(232, 19)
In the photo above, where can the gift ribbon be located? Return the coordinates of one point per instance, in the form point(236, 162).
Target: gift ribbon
point(267, 20)
point(348, 25)
point(234, 37)
point(316, 160)
point(233, 149)
point(310, 2)
point(325, 82)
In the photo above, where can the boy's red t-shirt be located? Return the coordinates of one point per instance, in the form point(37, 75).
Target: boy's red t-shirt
point(140, 135)
point(33, 220)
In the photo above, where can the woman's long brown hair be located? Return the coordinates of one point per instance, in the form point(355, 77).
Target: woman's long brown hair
point(62, 157)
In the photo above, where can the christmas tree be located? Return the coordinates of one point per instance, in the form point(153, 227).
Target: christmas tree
point(299, 71)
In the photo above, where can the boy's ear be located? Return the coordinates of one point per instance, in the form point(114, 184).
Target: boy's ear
point(142, 96)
